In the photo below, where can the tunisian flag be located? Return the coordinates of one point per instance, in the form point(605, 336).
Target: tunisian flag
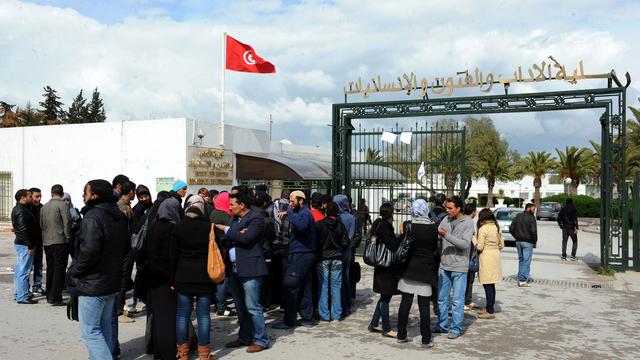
point(241, 57)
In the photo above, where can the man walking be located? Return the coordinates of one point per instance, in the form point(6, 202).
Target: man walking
point(245, 239)
point(55, 223)
point(456, 231)
point(25, 226)
point(568, 222)
point(36, 206)
point(524, 230)
point(297, 278)
point(95, 275)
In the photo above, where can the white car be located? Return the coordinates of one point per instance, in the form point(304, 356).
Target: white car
point(504, 217)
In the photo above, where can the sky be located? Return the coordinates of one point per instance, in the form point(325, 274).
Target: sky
point(158, 59)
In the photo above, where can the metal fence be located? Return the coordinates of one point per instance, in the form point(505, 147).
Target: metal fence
point(6, 195)
point(635, 203)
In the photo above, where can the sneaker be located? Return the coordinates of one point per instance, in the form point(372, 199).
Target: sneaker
point(438, 330)
point(401, 341)
point(307, 323)
point(38, 291)
point(125, 319)
point(573, 258)
point(453, 336)
point(564, 258)
point(428, 345)
point(29, 301)
point(281, 326)
point(226, 313)
point(523, 284)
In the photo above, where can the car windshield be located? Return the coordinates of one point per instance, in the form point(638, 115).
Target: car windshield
point(545, 206)
point(507, 215)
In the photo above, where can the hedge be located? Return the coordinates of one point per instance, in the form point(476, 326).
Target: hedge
point(586, 206)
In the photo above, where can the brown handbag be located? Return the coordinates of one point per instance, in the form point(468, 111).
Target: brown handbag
point(215, 264)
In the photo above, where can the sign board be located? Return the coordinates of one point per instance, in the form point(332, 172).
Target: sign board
point(164, 183)
point(209, 166)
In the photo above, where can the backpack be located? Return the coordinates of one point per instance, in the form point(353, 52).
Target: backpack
point(437, 217)
point(280, 246)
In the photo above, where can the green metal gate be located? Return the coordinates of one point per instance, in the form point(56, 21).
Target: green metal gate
point(635, 203)
point(614, 233)
point(383, 171)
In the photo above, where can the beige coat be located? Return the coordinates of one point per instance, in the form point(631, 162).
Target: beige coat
point(490, 242)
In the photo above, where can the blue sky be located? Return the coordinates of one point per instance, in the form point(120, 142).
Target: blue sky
point(154, 59)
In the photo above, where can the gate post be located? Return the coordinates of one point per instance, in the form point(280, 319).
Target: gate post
point(605, 190)
point(636, 221)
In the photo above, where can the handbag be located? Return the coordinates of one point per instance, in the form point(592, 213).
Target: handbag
point(215, 264)
point(402, 254)
point(378, 254)
point(474, 264)
point(72, 308)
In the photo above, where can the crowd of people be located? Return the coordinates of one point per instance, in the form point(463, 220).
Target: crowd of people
point(296, 251)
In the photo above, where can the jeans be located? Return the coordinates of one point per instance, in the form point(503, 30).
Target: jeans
point(330, 279)
point(246, 296)
point(347, 299)
point(94, 315)
point(221, 294)
point(21, 273)
point(37, 269)
point(381, 313)
point(490, 292)
point(297, 284)
point(183, 317)
point(425, 317)
point(574, 242)
point(56, 266)
point(525, 251)
point(449, 281)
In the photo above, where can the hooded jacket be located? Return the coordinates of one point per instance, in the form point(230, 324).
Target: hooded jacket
point(303, 231)
point(456, 244)
point(96, 269)
point(332, 238)
point(345, 216)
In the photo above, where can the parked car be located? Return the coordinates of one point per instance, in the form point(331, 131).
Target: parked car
point(548, 210)
point(505, 216)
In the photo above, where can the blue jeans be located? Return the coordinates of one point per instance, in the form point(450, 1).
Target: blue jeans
point(183, 317)
point(449, 281)
point(246, 296)
point(221, 294)
point(381, 314)
point(297, 284)
point(330, 277)
point(525, 252)
point(95, 314)
point(37, 269)
point(21, 273)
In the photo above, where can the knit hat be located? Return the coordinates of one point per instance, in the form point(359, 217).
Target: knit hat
point(178, 184)
point(299, 194)
point(142, 190)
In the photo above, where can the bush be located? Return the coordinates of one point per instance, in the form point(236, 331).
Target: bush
point(586, 206)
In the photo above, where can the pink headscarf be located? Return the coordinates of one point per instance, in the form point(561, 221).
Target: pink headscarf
point(221, 202)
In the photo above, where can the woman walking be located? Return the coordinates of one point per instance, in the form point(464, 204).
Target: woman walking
point(420, 274)
point(190, 244)
point(385, 280)
point(490, 242)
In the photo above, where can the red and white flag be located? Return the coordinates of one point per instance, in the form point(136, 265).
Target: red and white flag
point(241, 57)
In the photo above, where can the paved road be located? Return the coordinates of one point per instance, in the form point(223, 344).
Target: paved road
point(560, 316)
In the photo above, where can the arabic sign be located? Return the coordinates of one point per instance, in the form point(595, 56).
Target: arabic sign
point(164, 184)
point(445, 86)
point(208, 166)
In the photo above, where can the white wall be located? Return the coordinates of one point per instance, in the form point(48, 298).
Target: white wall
point(71, 155)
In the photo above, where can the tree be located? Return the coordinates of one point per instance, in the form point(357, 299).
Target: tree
point(95, 108)
point(78, 111)
point(538, 164)
point(577, 164)
point(8, 117)
point(479, 133)
point(52, 107)
point(495, 166)
point(28, 116)
point(373, 156)
point(448, 160)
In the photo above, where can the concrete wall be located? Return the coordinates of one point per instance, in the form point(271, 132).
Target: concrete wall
point(71, 155)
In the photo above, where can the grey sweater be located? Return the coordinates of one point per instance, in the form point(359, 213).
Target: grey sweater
point(455, 245)
point(55, 222)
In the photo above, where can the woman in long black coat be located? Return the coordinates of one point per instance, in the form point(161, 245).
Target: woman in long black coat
point(385, 280)
point(419, 275)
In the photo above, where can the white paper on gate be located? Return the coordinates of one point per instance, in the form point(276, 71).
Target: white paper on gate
point(405, 137)
point(421, 171)
point(389, 137)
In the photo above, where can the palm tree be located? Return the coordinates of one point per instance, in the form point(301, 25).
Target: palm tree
point(538, 164)
point(495, 167)
point(374, 156)
point(577, 164)
point(448, 157)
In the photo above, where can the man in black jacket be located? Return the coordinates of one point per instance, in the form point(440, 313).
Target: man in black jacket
point(25, 226)
point(568, 222)
point(95, 274)
point(524, 230)
point(247, 265)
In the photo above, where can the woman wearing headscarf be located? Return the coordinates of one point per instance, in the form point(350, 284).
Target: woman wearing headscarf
point(190, 279)
point(490, 242)
point(385, 280)
point(76, 218)
point(221, 215)
point(419, 274)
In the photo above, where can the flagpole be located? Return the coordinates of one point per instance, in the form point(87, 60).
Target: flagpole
point(223, 65)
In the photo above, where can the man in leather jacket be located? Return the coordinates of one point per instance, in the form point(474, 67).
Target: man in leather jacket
point(25, 227)
point(95, 275)
point(524, 230)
